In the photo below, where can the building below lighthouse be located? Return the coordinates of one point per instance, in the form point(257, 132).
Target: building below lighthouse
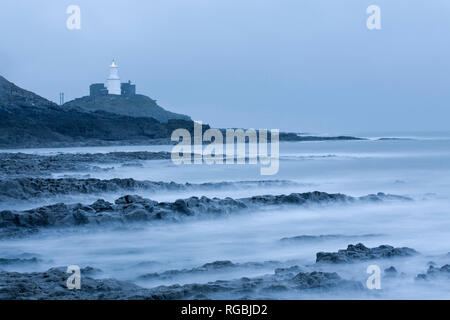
point(113, 85)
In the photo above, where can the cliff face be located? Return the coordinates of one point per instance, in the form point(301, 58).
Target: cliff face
point(13, 98)
point(28, 120)
point(137, 106)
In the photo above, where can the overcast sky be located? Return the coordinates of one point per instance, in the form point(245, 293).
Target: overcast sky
point(298, 65)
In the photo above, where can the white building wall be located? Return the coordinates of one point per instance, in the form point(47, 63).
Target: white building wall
point(113, 86)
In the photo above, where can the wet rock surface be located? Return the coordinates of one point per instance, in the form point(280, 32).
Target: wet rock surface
point(259, 287)
point(27, 188)
point(133, 208)
point(286, 281)
point(52, 285)
point(216, 266)
point(359, 252)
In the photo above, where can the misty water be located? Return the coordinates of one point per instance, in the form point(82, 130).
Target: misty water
point(418, 168)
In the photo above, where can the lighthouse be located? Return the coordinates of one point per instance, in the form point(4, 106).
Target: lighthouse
point(113, 82)
point(113, 85)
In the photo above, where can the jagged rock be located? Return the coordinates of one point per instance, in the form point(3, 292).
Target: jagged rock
point(129, 199)
point(102, 205)
point(221, 266)
point(289, 271)
point(390, 272)
point(259, 287)
point(26, 188)
point(431, 263)
point(360, 252)
point(212, 266)
point(52, 285)
point(323, 280)
point(380, 196)
point(136, 208)
point(435, 273)
point(217, 265)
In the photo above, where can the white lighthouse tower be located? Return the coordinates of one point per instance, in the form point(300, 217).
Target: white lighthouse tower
point(113, 82)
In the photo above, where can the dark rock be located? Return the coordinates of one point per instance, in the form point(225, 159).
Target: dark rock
point(360, 252)
point(218, 265)
point(291, 136)
point(390, 272)
point(130, 199)
point(288, 272)
point(136, 208)
point(207, 267)
point(434, 273)
point(259, 287)
point(13, 261)
point(26, 188)
point(324, 280)
point(20, 166)
point(51, 285)
point(431, 263)
point(380, 196)
point(102, 205)
point(138, 106)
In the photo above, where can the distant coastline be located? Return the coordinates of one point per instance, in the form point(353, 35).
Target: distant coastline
point(31, 121)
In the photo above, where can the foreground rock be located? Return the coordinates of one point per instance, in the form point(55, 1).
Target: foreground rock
point(259, 288)
point(52, 285)
point(360, 252)
point(27, 188)
point(134, 208)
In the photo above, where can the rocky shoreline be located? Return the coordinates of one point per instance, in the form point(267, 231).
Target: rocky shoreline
point(133, 208)
point(27, 188)
point(52, 284)
point(34, 165)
